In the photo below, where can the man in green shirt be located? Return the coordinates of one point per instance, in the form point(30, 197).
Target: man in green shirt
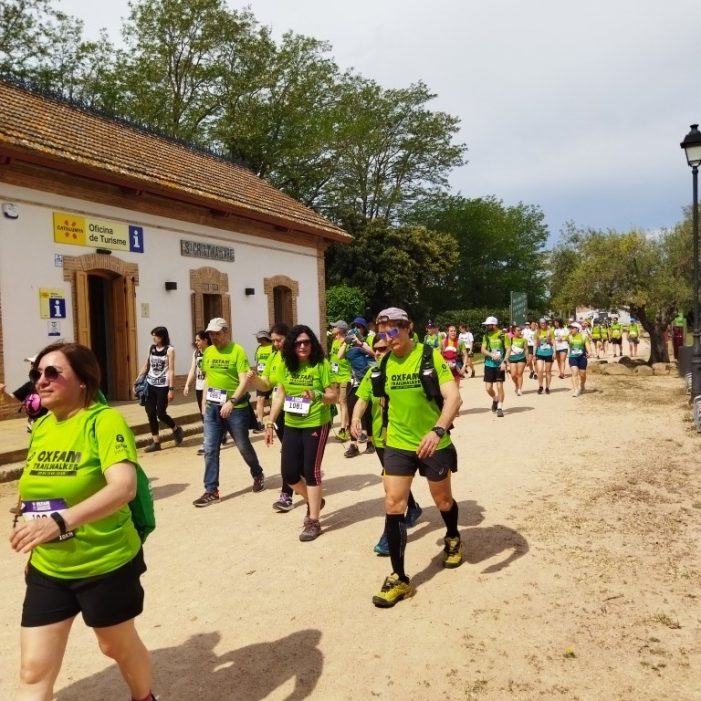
point(417, 439)
point(225, 407)
point(495, 344)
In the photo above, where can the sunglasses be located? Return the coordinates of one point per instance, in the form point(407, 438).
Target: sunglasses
point(392, 333)
point(303, 342)
point(50, 373)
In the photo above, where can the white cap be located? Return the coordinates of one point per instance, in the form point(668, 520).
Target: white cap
point(217, 324)
point(490, 320)
point(575, 325)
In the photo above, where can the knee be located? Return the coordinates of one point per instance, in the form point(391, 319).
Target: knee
point(394, 504)
point(444, 502)
point(34, 670)
point(113, 650)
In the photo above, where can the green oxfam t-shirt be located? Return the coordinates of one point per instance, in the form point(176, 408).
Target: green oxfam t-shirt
point(518, 347)
point(67, 460)
point(411, 414)
point(222, 368)
point(616, 331)
point(578, 345)
point(364, 391)
point(272, 369)
point(262, 355)
point(340, 367)
point(314, 377)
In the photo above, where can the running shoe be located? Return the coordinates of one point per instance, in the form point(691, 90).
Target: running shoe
point(311, 531)
point(473, 374)
point(342, 435)
point(495, 404)
point(351, 451)
point(519, 393)
point(207, 498)
point(382, 547)
point(540, 390)
point(200, 450)
point(500, 412)
point(369, 449)
point(259, 428)
point(393, 590)
point(179, 435)
point(259, 483)
point(452, 552)
point(547, 390)
point(413, 514)
point(283, 503)
point(152, 447)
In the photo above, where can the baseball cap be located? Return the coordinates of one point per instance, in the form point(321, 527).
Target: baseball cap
point(575, 325)
point(359, 321)
point(30, 359)
point(263, 333)
point(392, 314)
point(217, 324)
point(431, 325)
point(490, 320)
point(340, 324)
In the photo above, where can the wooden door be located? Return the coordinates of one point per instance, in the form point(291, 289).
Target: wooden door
point(82, 309)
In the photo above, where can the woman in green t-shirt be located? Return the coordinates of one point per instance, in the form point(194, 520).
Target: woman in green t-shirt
point(517, 358)
point(305, 393)
point(85, 553)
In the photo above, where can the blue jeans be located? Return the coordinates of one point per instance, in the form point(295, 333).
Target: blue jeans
point(215, 427)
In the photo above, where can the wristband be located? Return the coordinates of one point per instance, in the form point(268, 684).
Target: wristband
point(171, 389)
point(270, 425)
point(59, 522)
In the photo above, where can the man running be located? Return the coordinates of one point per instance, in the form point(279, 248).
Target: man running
point(494, 347)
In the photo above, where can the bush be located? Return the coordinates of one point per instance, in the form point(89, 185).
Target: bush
point(345, 302)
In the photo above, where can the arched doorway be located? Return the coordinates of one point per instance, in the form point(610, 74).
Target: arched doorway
point(104, 305)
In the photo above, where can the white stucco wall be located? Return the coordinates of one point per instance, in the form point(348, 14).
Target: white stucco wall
point(27, 251)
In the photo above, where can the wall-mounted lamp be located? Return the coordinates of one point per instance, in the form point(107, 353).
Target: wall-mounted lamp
point(249, 291)
point(103, 251)
point(171, 286)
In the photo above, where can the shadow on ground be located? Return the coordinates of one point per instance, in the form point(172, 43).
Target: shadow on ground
point(194, 670)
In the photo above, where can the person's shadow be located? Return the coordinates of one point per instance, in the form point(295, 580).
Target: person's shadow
point(193, 670)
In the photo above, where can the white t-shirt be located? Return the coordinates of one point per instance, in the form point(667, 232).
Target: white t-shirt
point(560, 343)
point(467, 339)
point(529, 334)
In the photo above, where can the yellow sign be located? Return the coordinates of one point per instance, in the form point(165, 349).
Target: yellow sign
point(52, 304)
point(97, 233)
point(69, 228)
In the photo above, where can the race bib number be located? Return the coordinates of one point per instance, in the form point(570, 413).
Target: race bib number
point(334, 368)
point(43, 509)
point(575, 352)
point(298, 405)
point(545, 347)
point(516, 351)
point(260, 367)
point(216, 396)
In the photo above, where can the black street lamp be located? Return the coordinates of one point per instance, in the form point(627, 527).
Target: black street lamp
point(692, 148)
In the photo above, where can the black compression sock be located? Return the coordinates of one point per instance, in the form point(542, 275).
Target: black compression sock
point(450, 518)
point(395, 529)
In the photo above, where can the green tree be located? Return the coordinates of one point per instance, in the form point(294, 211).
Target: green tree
point(345, 302)
point(398, 266)
point(501, 249)
point(648, 274)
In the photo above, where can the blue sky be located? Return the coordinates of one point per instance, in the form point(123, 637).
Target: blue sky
point(578, 108)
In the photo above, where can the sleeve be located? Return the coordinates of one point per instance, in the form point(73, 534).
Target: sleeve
point(324, 374)
point(242, 364)
point(444, 373)
point(115, 441)
point(364, 390)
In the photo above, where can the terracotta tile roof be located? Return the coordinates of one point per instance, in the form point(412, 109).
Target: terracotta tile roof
point(32, 124)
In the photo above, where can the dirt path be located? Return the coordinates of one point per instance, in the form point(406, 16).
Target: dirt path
point(581, 519)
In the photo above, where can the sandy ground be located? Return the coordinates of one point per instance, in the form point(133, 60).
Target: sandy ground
point(581, 521)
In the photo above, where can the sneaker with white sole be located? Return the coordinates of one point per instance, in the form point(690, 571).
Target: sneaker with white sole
point(283, 503)
point(207, 499)
point(311, 530)
point(393, 590)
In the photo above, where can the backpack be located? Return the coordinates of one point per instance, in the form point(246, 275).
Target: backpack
point(143, 514)
point(427, 376)
point(32, 406)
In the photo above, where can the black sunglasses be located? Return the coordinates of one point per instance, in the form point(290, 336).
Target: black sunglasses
point(303, 342)
point(50, 373)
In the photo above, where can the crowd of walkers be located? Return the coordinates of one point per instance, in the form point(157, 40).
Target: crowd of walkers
point(394, 394)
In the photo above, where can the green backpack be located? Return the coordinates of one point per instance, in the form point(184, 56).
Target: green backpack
point(142, 512)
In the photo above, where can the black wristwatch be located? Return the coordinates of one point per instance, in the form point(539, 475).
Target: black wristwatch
point(439, 431)
point(59, 522)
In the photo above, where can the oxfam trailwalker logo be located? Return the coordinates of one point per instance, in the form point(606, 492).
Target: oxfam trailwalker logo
point(97, 233)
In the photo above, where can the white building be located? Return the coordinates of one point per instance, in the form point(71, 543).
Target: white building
point(107, 231)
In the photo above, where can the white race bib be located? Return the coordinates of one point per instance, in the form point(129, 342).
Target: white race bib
point(334, 368)
point(260, 367)
point(43, 509)
point(545, 346)
point(298, 405)
point(576, 351)
point(216, 396)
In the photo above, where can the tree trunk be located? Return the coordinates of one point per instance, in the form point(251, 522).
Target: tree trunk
point(657, 328)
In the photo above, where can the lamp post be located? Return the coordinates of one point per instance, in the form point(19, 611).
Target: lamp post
point(692, 149)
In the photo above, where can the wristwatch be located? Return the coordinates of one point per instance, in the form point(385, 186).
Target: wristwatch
point(439, 431)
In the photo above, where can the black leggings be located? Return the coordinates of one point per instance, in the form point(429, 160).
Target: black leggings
point(302, 451)
point(156, 405)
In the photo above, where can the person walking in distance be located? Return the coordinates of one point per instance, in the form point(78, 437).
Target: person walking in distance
point(263, 352)
point(340, 376)
point(517, 359)
point(196, 374)
point(544, 354)
point(467, 339)
point(417, 438)
point(226, 408)
point(495, 345)
point(160, 375)
point(577, 356)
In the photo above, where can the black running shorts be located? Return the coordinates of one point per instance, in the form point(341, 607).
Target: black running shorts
point(404, 463)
